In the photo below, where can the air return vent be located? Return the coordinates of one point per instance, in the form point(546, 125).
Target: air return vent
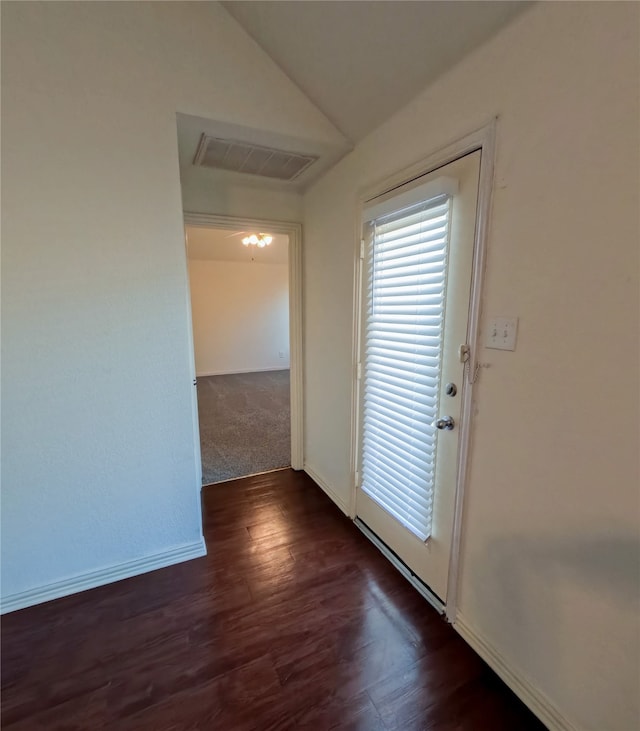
point(242, 157)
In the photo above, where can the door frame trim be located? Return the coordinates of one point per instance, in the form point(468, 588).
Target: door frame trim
point(294, 232)
point(483, 139)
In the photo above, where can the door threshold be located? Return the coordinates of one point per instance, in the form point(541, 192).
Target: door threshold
point(253, 474)
point(417, 584)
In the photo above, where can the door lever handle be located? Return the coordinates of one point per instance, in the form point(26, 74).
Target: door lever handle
point(446, 422)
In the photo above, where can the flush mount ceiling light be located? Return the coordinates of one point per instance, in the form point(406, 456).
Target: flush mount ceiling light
point(259, 240)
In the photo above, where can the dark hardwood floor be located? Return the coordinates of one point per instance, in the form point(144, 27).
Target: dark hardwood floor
point(292, 621)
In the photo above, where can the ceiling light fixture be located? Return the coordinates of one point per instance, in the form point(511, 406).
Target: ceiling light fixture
point(259, 240)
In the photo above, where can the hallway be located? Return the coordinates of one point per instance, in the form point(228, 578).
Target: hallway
point(292, 621)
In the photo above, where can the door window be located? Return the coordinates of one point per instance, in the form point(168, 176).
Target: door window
point(403, 349)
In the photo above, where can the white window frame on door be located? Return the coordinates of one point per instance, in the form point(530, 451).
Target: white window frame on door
point(294, 232)
point(481, 139)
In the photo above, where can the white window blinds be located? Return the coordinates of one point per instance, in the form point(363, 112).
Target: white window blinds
point(404, 323)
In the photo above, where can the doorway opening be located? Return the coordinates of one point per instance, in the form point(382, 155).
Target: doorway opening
point(244, 318)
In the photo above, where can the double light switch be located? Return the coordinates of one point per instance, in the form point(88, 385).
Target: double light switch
point(501, 333)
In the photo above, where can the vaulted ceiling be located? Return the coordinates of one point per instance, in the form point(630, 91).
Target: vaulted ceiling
point(359, 61)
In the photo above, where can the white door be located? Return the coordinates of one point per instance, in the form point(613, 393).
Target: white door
point(417, 271)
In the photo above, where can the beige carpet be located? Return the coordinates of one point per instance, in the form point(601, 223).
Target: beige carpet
point(245, 424)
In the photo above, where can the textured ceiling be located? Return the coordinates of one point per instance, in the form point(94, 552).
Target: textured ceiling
point(361, 61)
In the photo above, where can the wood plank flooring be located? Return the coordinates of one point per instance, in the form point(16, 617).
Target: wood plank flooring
point(293, 621)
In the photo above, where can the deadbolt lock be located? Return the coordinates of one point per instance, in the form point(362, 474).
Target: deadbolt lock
point(451, 389)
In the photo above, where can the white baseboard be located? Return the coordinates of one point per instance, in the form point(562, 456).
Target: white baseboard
point(325, 487)
point(108, 575)
point(533, 698)
point(283, 367)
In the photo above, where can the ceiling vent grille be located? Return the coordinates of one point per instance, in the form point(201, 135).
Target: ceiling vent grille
point(243, 157)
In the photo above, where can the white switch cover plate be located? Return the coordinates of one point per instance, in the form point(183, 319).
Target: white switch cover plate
point(502, 332)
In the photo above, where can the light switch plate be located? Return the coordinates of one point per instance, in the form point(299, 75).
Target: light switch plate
point(501, 333)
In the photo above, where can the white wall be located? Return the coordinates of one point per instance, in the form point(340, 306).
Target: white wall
point(98, 457)
point(551, 546)
point(207, 191)
point(240, 316)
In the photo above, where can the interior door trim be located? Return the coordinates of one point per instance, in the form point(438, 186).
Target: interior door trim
point(294, 232)
point(483, 139)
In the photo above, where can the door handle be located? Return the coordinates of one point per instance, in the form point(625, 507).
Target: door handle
point(446, 422)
